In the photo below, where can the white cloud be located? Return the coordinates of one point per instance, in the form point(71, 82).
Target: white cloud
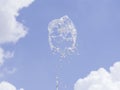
point(5, 55)
point(10, 29)
point(6, 71)
point(101, 79)
point(7, 86)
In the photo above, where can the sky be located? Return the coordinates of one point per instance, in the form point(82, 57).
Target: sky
point(27, 62)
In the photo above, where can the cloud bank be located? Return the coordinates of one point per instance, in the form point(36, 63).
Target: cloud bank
point(101, 79)
point(11, 30)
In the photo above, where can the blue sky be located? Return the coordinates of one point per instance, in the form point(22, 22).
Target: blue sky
point(97, 23)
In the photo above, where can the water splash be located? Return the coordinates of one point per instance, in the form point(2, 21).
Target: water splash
point(62, 36)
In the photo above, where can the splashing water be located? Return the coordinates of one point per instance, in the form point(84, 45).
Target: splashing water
point(62, 36)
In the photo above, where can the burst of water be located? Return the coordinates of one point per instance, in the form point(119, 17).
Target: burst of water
point(62, 40)
point(62, 36)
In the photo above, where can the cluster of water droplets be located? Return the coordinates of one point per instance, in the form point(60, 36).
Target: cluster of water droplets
point(62, 36)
